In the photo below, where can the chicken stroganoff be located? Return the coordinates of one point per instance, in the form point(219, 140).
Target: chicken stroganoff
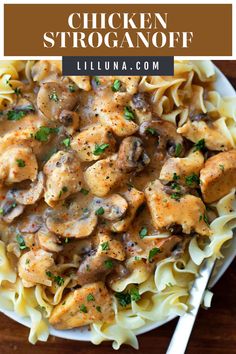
point(113, 191)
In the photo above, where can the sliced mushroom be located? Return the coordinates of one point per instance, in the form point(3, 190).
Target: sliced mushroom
point(112, 208)
point(54, 97)
point(65, 226)
point(141, 101)
point(10, 209)
point(131, 155)
point(70, 120)
point(32, 268)
point(30, 224)
point(33, 194)
point(48, 241)
point(166, 132)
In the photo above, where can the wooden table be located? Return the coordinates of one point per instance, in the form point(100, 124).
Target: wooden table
point(214, 331)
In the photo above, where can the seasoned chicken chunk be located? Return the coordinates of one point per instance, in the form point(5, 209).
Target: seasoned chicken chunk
point(135, 199)
point(83, 82)
point(32, 268)
point(218, 176)
point(103, 176)
point(89, 304)
point(189, 211)
point(215, 136)
point(64, 176)
point(18, 163)
point(94, 143)
point(182, 167)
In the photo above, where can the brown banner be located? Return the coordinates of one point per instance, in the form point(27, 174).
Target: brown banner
point(128, 30)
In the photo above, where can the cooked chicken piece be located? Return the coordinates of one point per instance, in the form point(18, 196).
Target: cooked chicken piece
point(110, 208)
point(33, 194)
point(135, 199)
point(94, 143)
point(64, 176)
point(99, 262)
point(103, 176)
point(183, 168)
point(218, 176)
point(214, 135)
point(188, 211)
point(20, 139)
point(54, 97)
point(83, 82)
point(131, 155)
point(89, 304)
point(71, 226)
point(167, 136)
point(17, 163)
point(32, 268)
point(70, 120)
point(128, 83)
point(48, 241)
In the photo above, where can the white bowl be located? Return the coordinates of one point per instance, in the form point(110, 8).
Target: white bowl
point(224, 87)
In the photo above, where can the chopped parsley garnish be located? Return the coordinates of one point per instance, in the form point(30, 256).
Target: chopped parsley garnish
point(105, 246)
point(98, 308)
point(63, 190)
point(124, 299)
point(108, 264)
point(21, 242)
point(57, 278)
point(66, 142)
point(192, 179)
point(143, 232)
point(178, 149)
point(67, 240)
point(27, 261)
point(200, 217)
point(84, 191)
point(99, 149)
point(206, 220)
point(222, 167)
point(83, 308)
point(90, 297)
point(176, 195)
point(200, 145)
point(152, 131)
point(20, 162)
point(16, 115)
point(152, 253)
point(1, 211)
point(128, 113)
point(100, 211)
point(72, 88)
point(134, 293)
point(175, 177)
point(116, 85)
point(17, 91)
point(97, 80)
point(43, 133)
point(137, 258)
point(53, 96)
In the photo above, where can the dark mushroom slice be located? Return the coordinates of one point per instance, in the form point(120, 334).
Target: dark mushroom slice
point(112, 208)
point(167, 135)
point(70, 120)
point(10, 209)
point(141, 101)
point(131, 155)
point(48, 241)
point(54, 97)
point(33, 194)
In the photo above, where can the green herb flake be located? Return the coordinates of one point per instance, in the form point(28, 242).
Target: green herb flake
point(98, 308)
point(108, 264)
point(59, 280)
point(99, 149)
point(49, 274)
point(175, 177)
point(178, 149)
point(105, 246)
point(27, 261)
point(176, 196)
point(84, 191)
point(17, 91)
point(134, 293)
point(1, 211)
point(206, 220)
point(222, 167)
point(66, 142)
point(83, 308)
point(54, 97)
point(200, 217)
point(72, 88)
point(116, 85)
point(67, 240)
point(152, 131)
point(192, 180)
point(16, 115)
point(20, 163)
point(199, 145)
point(90, 297)
point(21, 242)
point(43, 133)
point(128, 113)
point(137, 258)
point(97, 80)
point(62, 191)
point(124, 298)
point(152, 253)
point(143, 232)
point(100, 211)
